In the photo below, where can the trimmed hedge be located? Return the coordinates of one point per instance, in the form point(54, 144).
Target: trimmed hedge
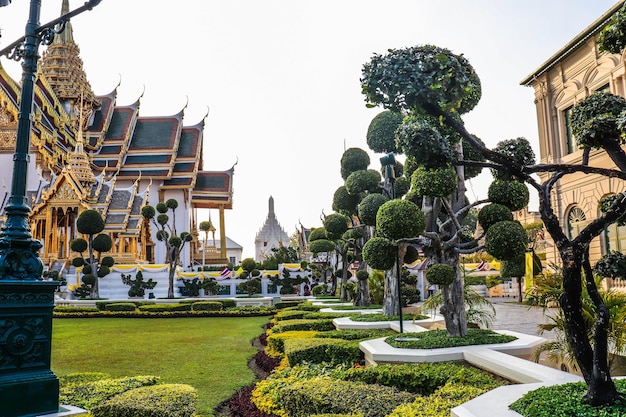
point(102, 305)
point(75, 309)
point(356, 334)
point(206, 306)
point(121, 307)
point(167, 400)
point(328, 395)
point(290, 315)
point(332, 351)
point(166, 307)
point(302, 324)
point(276, 341)
point(286, 304)
point(89, 393)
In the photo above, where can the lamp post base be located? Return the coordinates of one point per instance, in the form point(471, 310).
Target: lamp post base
point(27, 385)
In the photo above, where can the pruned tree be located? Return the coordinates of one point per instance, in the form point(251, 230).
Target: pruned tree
point(439, 91)
point(252, 275)
point(165, 233)
point(91, 224)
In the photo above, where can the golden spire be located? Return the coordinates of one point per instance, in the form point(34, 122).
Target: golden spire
point(62, 67)
point(79, 161)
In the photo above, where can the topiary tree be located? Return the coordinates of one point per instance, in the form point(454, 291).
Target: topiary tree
point(138, 286)
point(252, 275)
point(432, 81)
point(91, 224)
point(167, 234)
point(381, 135)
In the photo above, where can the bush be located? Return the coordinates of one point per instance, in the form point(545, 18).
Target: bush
point(286, 304)
point(241, 405)
point(441, 274)
point(91, 393)
point(228, 303)
point(121, 307)
point(492, 214)
point(276, 341)
point(206, 306)
point(303, 324)
point(439, 404)
point(75, 309)
point(167, 400)
point(290, 315)
point(332, 351)
point(505, 240)
point(356, 334)
point(327, 395)
point(165, 307)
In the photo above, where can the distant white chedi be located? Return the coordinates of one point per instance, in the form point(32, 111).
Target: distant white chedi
point(270, 236)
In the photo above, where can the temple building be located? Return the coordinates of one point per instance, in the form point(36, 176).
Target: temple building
point(572, 74)
point(89, 152)
point(270, 236)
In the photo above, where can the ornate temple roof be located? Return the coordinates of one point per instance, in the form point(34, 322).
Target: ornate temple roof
point(271, 235)
point(97, 147)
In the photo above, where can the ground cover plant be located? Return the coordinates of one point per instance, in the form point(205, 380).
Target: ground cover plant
point(210, 354)
point(435, 339)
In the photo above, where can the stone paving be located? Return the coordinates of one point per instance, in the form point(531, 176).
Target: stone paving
point(511, 315)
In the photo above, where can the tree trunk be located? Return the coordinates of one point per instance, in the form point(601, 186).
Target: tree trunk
point(453, 308)
point(391, 301)
point(592, 361)
point(362, 294)
point(95, 289)
point(344, 277)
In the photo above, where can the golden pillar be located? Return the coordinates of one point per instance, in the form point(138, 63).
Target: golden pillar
point(222, 233)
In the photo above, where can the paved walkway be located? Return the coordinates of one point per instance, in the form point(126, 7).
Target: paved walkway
point(510, 315)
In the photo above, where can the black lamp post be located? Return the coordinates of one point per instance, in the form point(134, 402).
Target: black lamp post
point(28, 387)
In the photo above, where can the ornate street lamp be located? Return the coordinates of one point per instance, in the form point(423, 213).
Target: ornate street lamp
point(28, 387)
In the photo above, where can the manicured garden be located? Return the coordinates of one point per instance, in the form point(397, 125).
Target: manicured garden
point(210, 354)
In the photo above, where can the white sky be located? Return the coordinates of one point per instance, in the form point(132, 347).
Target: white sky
point(281, 78)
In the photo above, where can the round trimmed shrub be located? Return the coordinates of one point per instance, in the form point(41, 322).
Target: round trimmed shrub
point(363, 180)
point(437, 182)
point(78, 262)
point(108, 261)
point(611, 265)
point(78, 245)
point(102, 243)
point(90, 222)
point(505, 240)
point(397, 219)
point(423, 142)
point(440, 274)
point(362, 275)
point(492, 214)
point(317, 233)
point(161, 207)
point(321, 246)
point(512, 194)
point(345, 203)
point(595, 120)
point(369, 206)
point(381, 133)
point(353, 159)
point(518, 151)
point(401, 186)
point(89, 279)
point(148, 212)
point(336, 225)
point(380, 253)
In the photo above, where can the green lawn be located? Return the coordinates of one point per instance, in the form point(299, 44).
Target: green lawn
point(209, 353)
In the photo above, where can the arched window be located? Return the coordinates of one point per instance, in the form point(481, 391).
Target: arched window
point(576, 221)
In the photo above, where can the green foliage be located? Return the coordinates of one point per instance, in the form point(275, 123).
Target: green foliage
point(436, 339)
point(512, 194)
point(248, 264)
point(107, 261)
point(353, 159)
point(598, 120)
point(364, 180)
point(161, 207)
point(362, 275)
point(345, 203)
point(321, 246)
point(435, 182)
point(172, 400)
point(317, 233)
point(162, 219)
point(542, 402)
point(103, 271)
point(381, 131)
point(165, 307)
point(611, 265)
point(148, 212)
point(175, 241)
point(368, 208)
point(423, 142)
point(138, 286)
point(470, 153)
point(78, 262)
point(102, 243)
point(516, 267)
point(336, 225)
point(207, 306)
point(492, 214)
point(355, 334)
point(78, 245)
point(397, 219)
point(380, 253)
point(612, 39)
point(410, 78)
point(606, 203)
point(517, 151)
point(331, 351)
point(90, 222)
point(401, 186)
point(87, 393)
point(303, 324)
point(89, 279)
point(171, 204)
point(441, 274)
point(327, 395)
point(505, 240)
point(121, 307)
point(251, 286)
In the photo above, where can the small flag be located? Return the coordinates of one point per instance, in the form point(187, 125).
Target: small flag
point(225, 272)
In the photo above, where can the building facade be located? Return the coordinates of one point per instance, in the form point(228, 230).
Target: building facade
point(576, 71)
point(89, 152)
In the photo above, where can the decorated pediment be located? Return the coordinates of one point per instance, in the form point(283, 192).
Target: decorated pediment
point(8, 130)
point(65, 193)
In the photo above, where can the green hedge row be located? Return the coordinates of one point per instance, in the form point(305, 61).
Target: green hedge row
point(167, 400)
point(328, 395)
point(331, 351)
point(92, 390)
point(303, 324)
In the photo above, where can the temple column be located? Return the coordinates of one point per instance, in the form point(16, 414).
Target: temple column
point(223, 243)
